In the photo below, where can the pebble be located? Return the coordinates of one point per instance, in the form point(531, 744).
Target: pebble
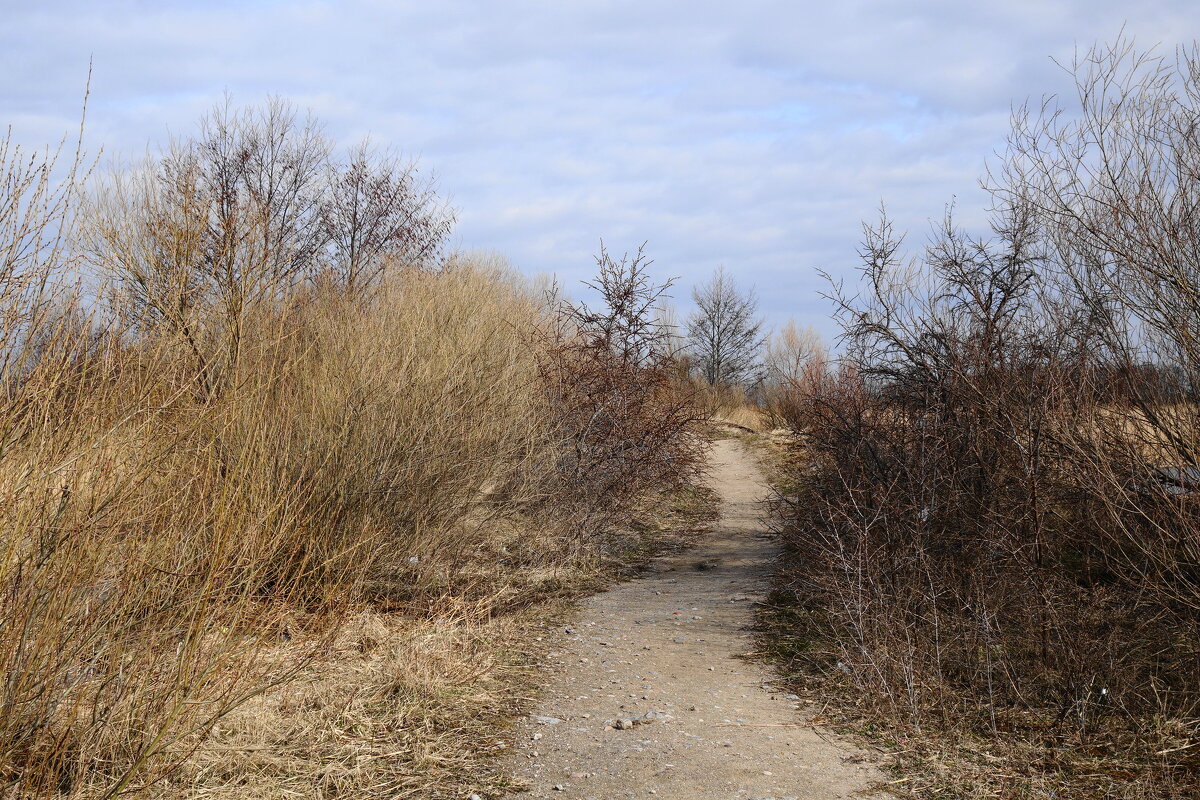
point(546, 720)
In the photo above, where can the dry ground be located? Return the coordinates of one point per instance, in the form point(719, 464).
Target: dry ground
point(649, 695)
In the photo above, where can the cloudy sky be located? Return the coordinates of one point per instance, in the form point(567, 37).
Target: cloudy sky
point(755, 134)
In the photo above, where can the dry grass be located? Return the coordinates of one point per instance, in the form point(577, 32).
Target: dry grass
point(405, 706)
point(733, 405)
point(395, 707)
point(212, 460)
point(750, 417)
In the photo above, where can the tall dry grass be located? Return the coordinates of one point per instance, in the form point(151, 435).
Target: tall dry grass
point(215, 449)
point(734, 405)
point(361, 454)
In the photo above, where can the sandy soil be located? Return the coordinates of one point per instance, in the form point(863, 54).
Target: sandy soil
point(648, 697)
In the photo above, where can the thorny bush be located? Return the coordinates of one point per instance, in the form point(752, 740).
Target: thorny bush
point(629, 424)
point(994, 520)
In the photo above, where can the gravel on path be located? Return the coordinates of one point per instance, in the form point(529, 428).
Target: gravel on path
point(648, 698)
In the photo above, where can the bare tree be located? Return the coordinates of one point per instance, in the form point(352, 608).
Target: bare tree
point(626, 325)
point(245, 213)
point(378, 208)
point(258, 171)
point(223, 222)
point(790, 351)
point(673, 345)
point(724, 333)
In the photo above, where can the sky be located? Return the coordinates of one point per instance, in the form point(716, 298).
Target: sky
point(756, 134)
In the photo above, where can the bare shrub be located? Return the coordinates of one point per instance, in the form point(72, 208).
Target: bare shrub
point(943, 519)
point(995, 520)
point(793, 360)
point(114, 653)
point(626, 423)
point(936, 446)
point(211, 460)
point(1115, 187)
point(406, 412)
point(157, 545)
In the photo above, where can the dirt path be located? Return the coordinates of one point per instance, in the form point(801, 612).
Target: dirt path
point(660, 654)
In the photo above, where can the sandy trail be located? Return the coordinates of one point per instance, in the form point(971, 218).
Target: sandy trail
point(668, 644)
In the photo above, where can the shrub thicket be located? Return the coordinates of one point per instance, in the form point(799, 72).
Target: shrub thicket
point(994, 522)
point(279, 402)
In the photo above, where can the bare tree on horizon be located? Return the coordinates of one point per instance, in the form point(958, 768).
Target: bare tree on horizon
point(725, 332)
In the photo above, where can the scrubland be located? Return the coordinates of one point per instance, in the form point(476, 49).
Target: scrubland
point(287, 489)
point(990, 500)
point(284, 485)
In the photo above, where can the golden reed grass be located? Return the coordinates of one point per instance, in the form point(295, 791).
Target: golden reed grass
point(209, 461)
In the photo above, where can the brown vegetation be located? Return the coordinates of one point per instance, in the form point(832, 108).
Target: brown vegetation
point(993, 518)
point(273, 405)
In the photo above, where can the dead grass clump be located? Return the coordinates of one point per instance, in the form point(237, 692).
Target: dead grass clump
point(414, 703)
point(395, 707)
point(733, 405)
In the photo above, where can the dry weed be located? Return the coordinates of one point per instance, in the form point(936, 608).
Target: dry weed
point(252, 426)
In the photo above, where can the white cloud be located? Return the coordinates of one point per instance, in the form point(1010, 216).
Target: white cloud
point(755, 135)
